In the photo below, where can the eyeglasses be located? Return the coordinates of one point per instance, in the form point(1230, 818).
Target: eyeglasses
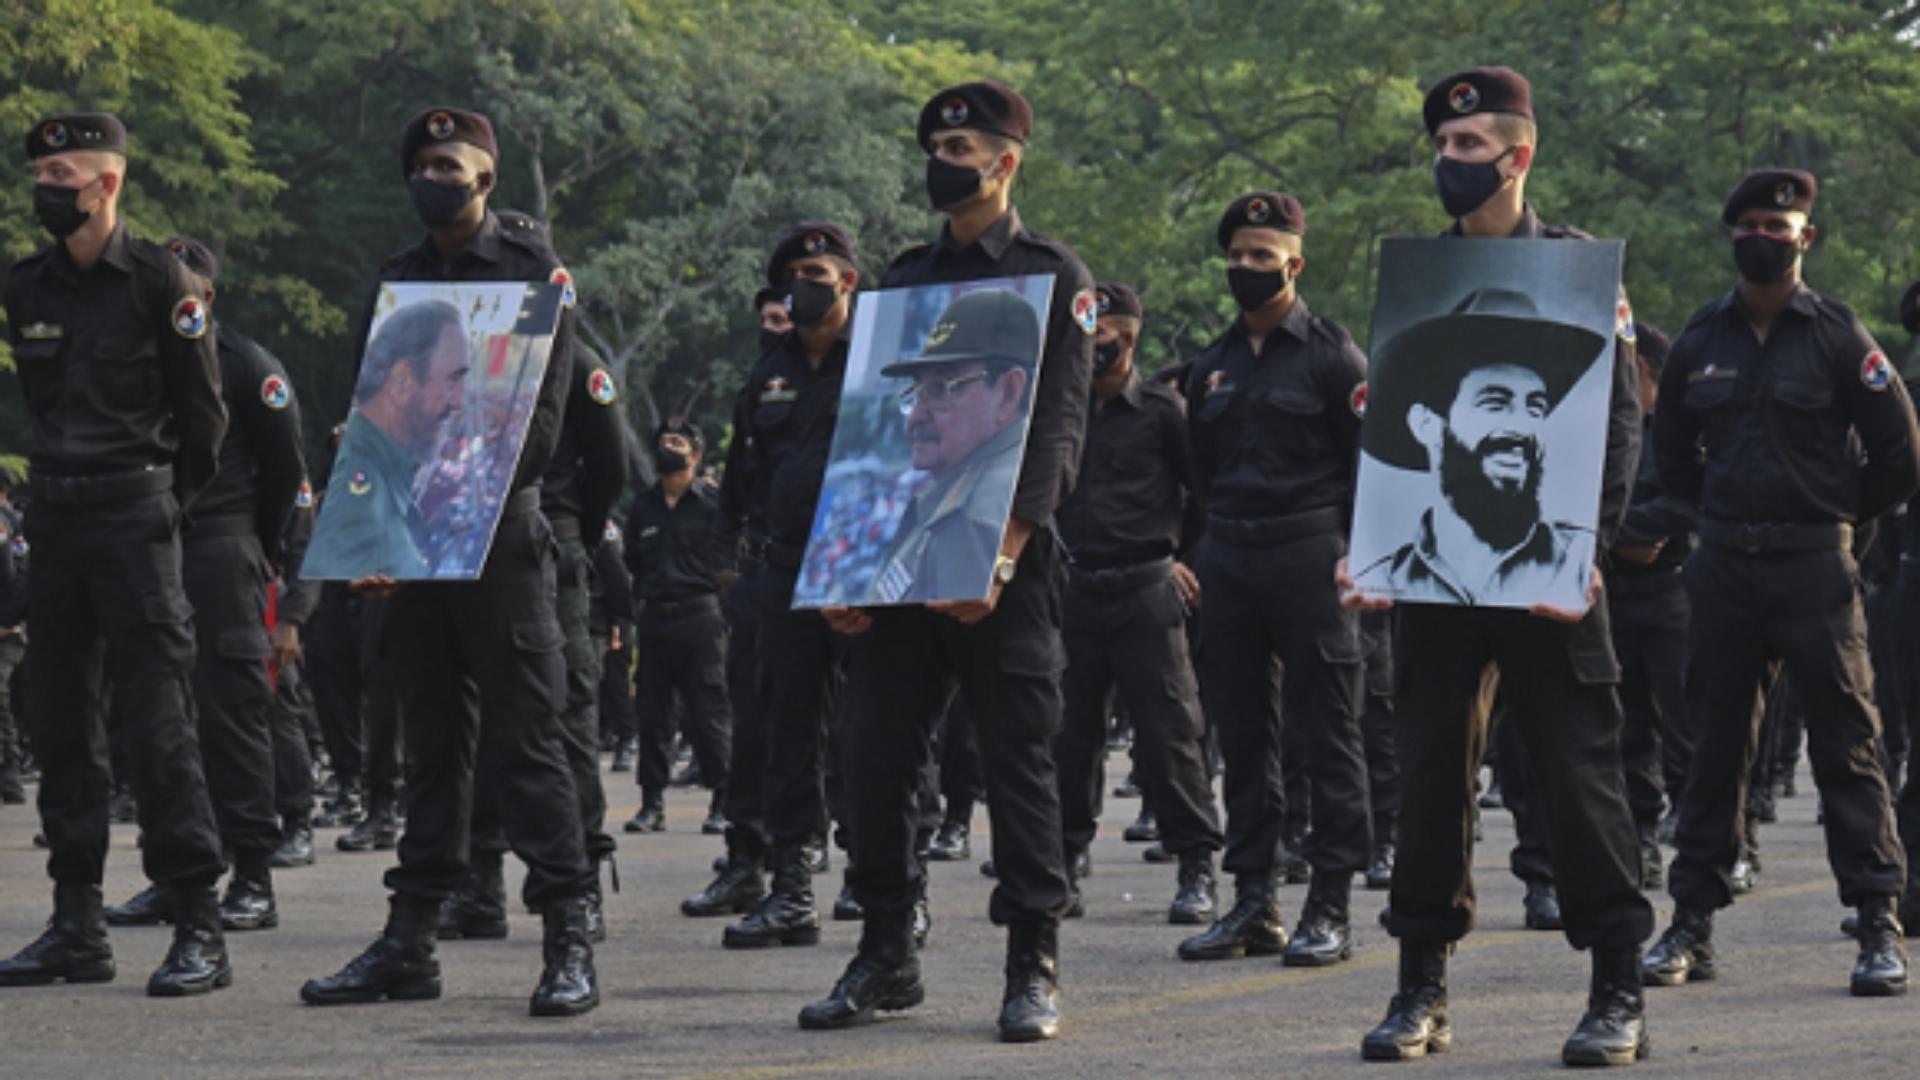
point(940, 395)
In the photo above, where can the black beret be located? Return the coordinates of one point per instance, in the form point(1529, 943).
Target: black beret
point(439, 125)
point(1652, 344)
point(1910, 308)
point(807, 239)
point(1262, 210)
point(1772, 188)
point(1478, 90)
point(198, 257)
point(77, 131)
point(768, 295)
point(683, 427)
point(988, 106)
point(1117, 299)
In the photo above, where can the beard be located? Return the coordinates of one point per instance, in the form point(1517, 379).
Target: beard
point(1500, 512)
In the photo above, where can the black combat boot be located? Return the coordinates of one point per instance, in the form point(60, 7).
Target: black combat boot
point(845, 907)
point(952, 843)
point(787, 916)
point(1416, 1023)
point(884, 975)
point(1076, 900)
point(736, 890)
point(150, 906)
point(342, 811)
point(1030, 1005)
point(74, 947)
point(400, 966)
point(197, 962)
point(568, 984)
point(1144, 830)
point(622, 757)
point(652, 815)
point(477, 911)
point(249, 904)
point(716, 822)
point(378, 831)
point(1380, 870)
point(296, 847)
point(11, 791)
point(1653, 867)
point(1252, 928)
point(1684, 953)
point(1324, 936)
point(1542, 907)
point(1614, 1029)
point(1882, 968)
point(1195, 900)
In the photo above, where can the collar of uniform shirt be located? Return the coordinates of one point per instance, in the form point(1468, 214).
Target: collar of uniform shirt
point(1295, 322)
point(995, 241)
point(1527, 229)
point(1801, 302)
point(1130, 393)
point(115, 254)
point(483, 244)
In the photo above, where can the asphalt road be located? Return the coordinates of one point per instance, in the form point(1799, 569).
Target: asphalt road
point(677, 1004)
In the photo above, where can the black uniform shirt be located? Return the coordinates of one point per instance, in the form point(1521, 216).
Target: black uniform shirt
point(1654, 517)
point(1623, 411)
point(610, 601)
point(1774, 434)
point(509, 246)
point(1060, 394)
point(671, 550)
point(261, 466)
point(1277, 434)
point(783, 423)
point(1128, 507)
point(117, 362)
point(589, 468)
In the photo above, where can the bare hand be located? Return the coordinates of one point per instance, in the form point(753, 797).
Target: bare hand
point(1640, 553)
point(1187, 584)
point(374, 586)
point(847, 620)
point(1351, 597)
point(967, 612)
point(1572, 615)
point(613, 639)
point(284, 641)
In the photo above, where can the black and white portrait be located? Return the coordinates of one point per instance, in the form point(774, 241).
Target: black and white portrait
point(1486, 420)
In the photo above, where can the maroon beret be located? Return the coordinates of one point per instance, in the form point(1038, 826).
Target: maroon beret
point(1478, 90)
point(1117, 299)
point(77, 131)
point(1772, 188)
point(988, 106)
point(441, 125)
point(806, 239)
point(197, 256)
point(1262, 210)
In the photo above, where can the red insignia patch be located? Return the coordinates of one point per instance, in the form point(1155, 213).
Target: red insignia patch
point(1357, 401)
point(1876, 373)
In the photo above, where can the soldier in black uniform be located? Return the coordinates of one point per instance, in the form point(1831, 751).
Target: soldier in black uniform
point(681, 635)
point(1648, 605)
point(585, 477)
point(1788, 426)
point(13, 640)
point(782, 432)
point(1004, 652)
point(477, 665)
point(1274, 412)
point(1555, 669)
point(293, 700)
point(1906, 619)
point(115, 352)
point(229, 547)
point(1125, 612)
point(613, 635)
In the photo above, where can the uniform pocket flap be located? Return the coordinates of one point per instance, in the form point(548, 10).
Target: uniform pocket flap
point(538, 635)
point(243, 643)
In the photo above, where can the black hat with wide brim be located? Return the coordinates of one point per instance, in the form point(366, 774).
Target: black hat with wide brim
point(1424, 363)
point(992, 326)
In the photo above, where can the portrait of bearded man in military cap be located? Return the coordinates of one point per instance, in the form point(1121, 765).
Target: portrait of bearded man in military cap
point(920, 482)
point(1485, 424)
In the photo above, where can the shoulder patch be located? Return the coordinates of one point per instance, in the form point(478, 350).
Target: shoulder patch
point(600, 387)
point(1357, 400)
point(562, 277)
point(303, 499)
point(611, 534)
point(1623, 319)
point(190, 318)
point(1876, 373)
point(1086, 310)
point(274, 393)
point(359, 483)
point(20, 546)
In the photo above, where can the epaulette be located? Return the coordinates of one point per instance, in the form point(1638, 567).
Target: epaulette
point(909, 255)
point(1832, 309)
point(1331, 331)
point(527, 223)
point(1160, 391)
point(1702, 313)
point(1564, 232)
point(1056, 248)
point(395, 258)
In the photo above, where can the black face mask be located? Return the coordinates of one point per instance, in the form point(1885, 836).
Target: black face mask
point(1253, 288)
point(1762, 259)
point(58, 209)
point(667, 462)
point(809, 301)
point(949, 184)
point(1105, 356)
point(770, 339)
point(1465, 187)
point(436, 203)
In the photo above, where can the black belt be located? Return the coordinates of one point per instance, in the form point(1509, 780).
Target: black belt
point(524, 501)
point(566, 528)
point(669, 610)
point(1757, 539)
point(1248, 532)
point(81, 490)
point(1121, 579)
point(785, 556)
point(219, 525)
